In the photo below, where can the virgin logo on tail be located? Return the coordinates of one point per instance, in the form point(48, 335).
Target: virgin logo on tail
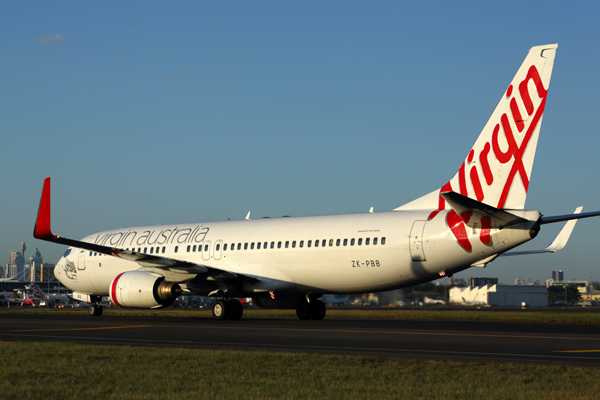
point(502, 150)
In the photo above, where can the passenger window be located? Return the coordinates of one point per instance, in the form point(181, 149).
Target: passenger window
point(188, 249)
point(265, 245)
point(345, 242)
point(330, 242)
point(194, 248)
point(367, 240)
point(278, 245)
point(337, 242)
point(258, 246)
point(139, 249)
point(176, 248)
point(205, 247)
point(225, 247)
point(90, 253)
point(252, 246)
point(294, 244)
point(360, 241)
point(316, 243)
point(309, 243)
point(302, 243)
point(145, 250)
point(239, 246)
point(383, 240)
point(245, 246)
point(374, 241)
point(287, 244)
point(323, 243)
point(352, 242)
point(163, 250)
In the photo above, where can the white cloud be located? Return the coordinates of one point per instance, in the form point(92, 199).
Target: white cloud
point(51, 39)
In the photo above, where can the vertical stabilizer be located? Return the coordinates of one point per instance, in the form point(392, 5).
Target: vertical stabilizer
point(498, 167)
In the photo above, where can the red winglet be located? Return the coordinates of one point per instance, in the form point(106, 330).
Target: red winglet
point(42, 224)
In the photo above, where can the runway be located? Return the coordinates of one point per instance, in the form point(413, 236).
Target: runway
point(457, 340)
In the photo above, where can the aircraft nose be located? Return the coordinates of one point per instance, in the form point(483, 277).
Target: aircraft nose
point(59, 270)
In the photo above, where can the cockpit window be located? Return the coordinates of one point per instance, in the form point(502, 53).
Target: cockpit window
point(67, 252)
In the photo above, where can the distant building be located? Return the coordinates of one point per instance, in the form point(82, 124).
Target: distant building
point(481, 281)
point(518, 281)
point(500, 296)
point(558, 276)
point(17, 264)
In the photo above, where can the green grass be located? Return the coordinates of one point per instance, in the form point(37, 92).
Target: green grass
point(551, 316)
point(51, 370)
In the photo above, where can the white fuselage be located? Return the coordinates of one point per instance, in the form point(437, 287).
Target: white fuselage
point(355, 252)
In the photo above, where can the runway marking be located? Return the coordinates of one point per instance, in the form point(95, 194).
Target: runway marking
point(577, 351)
point(329, 349)
point(80, 329)
point(408, 333)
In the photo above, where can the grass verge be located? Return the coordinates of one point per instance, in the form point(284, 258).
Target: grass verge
point(51, 370)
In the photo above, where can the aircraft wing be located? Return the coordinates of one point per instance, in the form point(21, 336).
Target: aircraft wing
point(43, 231)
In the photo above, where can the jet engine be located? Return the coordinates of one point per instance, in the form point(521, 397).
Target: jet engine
point(139, 289)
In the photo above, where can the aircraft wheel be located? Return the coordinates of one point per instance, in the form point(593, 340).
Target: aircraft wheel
point(303, 310)
point(318, 310)
point(236, 310)
point(220, 309)
point(99, 310)
point(92, 310)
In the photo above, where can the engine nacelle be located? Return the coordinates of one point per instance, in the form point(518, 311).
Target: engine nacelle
point(138, 289)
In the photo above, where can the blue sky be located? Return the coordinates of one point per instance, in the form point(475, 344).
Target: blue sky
point(154, 112)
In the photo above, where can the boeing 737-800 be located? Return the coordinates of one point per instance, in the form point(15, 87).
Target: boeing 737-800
point(291, 262)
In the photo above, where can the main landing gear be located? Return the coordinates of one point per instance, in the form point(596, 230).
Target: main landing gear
point(95, 309)
point(228, 309)
point(314, 310)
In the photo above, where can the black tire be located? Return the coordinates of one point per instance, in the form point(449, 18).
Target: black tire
point(220, 310)
point(99, 310)
point(92, 310)
point(236, 310)
point(318, 310)
point(303, 310)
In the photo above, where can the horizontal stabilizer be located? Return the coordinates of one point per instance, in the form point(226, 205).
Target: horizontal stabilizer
point(465, 206)
point(568, 217)
point(561, 239)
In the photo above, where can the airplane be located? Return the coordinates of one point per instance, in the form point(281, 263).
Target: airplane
point(16, 299)
point(290, 262)
point(37, 292)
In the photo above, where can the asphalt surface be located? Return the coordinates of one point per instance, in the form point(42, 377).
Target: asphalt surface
point(457, 340)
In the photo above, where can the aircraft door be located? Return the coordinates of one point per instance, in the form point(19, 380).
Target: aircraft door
point(81, 260)
point(206, 251)
point(416, 241)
